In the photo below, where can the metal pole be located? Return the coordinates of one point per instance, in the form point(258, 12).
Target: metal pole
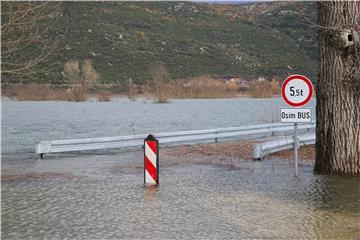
point(296, 146)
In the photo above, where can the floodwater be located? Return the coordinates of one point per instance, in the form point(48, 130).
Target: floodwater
point(24, 123)
point(101, 196)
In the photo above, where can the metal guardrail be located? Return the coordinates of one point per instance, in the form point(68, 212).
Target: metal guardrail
point(279, 144)
point(58, 146)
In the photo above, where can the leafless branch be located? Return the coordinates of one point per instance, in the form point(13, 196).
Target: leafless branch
point(28, 36)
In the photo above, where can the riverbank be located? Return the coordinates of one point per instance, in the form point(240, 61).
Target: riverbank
point(111, 97)
point(202, 87)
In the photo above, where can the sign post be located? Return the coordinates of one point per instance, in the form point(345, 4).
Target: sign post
point(296, 91)
point(151, 160)
point(296, 148)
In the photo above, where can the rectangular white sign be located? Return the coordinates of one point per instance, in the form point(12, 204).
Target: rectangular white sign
point(295, 115)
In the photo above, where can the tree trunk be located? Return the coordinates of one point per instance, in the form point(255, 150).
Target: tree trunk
point(338, 89)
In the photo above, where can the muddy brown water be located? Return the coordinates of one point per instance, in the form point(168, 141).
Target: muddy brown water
point(100, 195)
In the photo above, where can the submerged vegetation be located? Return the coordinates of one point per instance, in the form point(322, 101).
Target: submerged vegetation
point(160, 90)
point(160, 83)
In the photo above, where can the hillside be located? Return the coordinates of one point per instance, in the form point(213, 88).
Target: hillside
point(126, 39)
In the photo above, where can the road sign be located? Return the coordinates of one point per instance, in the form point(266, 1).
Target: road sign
point(297, 90)
point(295, 115)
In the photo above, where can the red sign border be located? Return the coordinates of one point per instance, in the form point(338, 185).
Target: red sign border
point(306, 80)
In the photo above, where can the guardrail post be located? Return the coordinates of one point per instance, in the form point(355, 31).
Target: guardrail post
point(256, 152)
point(151, 160)
point(42, 147)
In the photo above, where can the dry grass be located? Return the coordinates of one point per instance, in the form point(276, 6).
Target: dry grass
point(104, 97)
point(203, 87)
point(36, 92)
point(41, 92)
point(161, 88)
point(232, 87)
point(264, 89)
point(275, 87)
point(260, 90)
point(306, 153)
point(77, 93)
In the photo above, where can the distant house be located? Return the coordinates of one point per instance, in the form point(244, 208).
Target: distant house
point(226, 78)
point(261, 79)
point(243, 84)
point(240, 82)
point(236, 79)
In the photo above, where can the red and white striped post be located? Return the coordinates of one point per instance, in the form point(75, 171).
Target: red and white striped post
point(151, 160)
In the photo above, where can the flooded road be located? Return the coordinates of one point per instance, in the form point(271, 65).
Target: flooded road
point(101, 195)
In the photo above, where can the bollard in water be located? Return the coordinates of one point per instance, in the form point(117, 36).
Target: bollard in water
point(151, 160)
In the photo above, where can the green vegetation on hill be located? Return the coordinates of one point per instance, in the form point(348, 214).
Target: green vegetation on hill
point(127, 39)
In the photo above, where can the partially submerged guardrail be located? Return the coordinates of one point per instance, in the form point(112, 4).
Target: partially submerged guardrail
point(264, 130)
point(276, 145)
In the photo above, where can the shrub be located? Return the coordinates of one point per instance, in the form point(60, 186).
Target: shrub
point(231, 86)
point(275, 86)
point(104, 97)
point(36, 92)
point(205, 87)
point(33, 92)
point(261, 89)
point(159, 87)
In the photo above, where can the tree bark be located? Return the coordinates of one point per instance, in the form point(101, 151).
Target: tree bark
point(338, 89)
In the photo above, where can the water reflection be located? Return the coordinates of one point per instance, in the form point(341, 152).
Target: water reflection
point(150, 192)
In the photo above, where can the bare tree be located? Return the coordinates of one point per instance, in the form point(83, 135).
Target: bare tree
point(82, 77)
point(161, 78)
point(337, 90)
point(28, 36)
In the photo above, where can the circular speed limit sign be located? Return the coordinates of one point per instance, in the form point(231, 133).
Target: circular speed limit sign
point(297, 90)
